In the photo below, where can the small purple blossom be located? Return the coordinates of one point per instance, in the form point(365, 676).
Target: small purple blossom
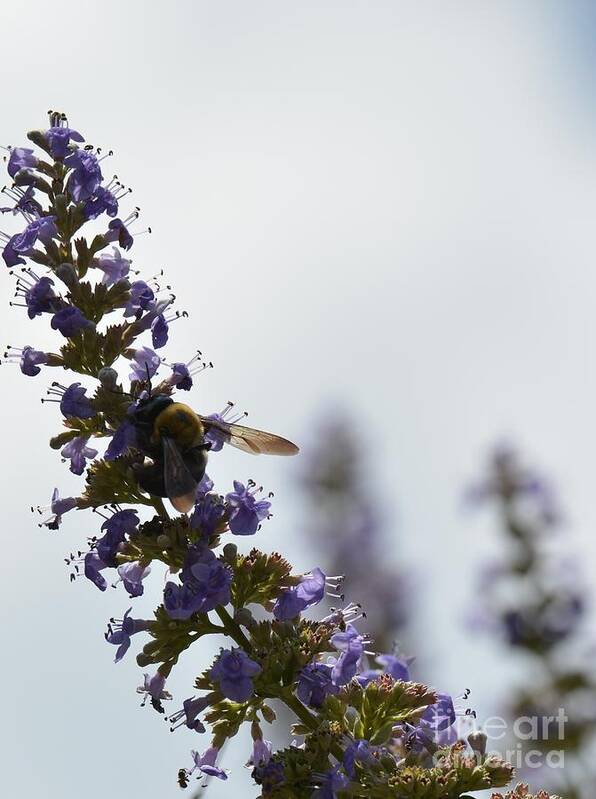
point(205, 763)
point(208, 512)
point(40, 298)
point(58, 507)
point(117, 231)
point(75, 402)
point(310, 591)
point(180, 377)
point(357, 752)
point(233, 671)
point(315, 684)
point(115, 529)
point(22, 243)
point(189, 715)
point(153, 688)
point(124, 437)
point(206, 584)
point(114, 267)
point(141, 296)
point(132, 576)
point(21, 158)
point(331, 782)
point(245, 512)
point(159, 331)
point(144, 364)
point(120, 632)
point(350, 645)
point(58, 139)
point(261, 752)
point(78, 452)
point(30, 360)
point(102, 200)
point(85, 177)
point(70, 321)
point(93, 566)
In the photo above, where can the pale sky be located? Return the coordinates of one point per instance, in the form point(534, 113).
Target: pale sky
point(386, 206)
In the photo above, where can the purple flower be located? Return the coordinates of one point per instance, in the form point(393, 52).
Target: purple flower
point(315, 684)
point(261, 752)
point(85, 176)
point(270, 776)
point(117, 231)
point(121, 630)
point(332, 782)
point(154, 688)
point(77, 451)
point(307, 593)
point(132, 575)
point(439, 716)
point(94, 565)
point(245, 512)
point(74, 402)
point(70, 321)
point(189, 715)
point(24, 201)
point(30, 359)
point(141, 296)
point(208, 512)
point(114, 267)
point(206, 584)
point(180, 377)
point(350, 644)
point(102, 200)
point(144, 364)
point(357, 752)
point(205, 763)
point(58, 507)
point(21, 158)
point(43, 229)
point(233, 671)
point(59, 137)
point(396, 667)
point(159, 331)
point(217, 438)
point(40, 298)
point(124, 437)
point(115, 529)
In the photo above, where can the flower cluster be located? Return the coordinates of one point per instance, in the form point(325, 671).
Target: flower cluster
point(533, 598)
point(361, 731)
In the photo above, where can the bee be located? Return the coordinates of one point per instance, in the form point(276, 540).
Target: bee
point(172, 436)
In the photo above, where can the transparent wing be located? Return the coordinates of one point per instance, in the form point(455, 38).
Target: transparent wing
point(255, 442)
point(180, 485)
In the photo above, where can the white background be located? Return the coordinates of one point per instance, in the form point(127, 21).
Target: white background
point(381, 206)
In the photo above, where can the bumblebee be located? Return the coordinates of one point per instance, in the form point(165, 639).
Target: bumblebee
point(172, 436)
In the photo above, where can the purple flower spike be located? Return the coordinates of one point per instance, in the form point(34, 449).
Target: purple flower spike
point(245, 512)
point(234, 670)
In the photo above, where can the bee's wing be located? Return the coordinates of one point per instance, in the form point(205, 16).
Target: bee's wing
point(255, 442)
point(180, 485)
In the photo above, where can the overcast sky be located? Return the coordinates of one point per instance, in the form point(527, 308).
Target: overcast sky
point(381, 206)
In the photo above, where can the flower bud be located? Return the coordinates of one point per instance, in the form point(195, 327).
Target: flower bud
point(108, 377)
point(268, 714)
point(230, 552)
point(67, 274)
point(477, 741)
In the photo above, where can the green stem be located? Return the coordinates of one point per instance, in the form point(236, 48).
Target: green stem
point(233, 629)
